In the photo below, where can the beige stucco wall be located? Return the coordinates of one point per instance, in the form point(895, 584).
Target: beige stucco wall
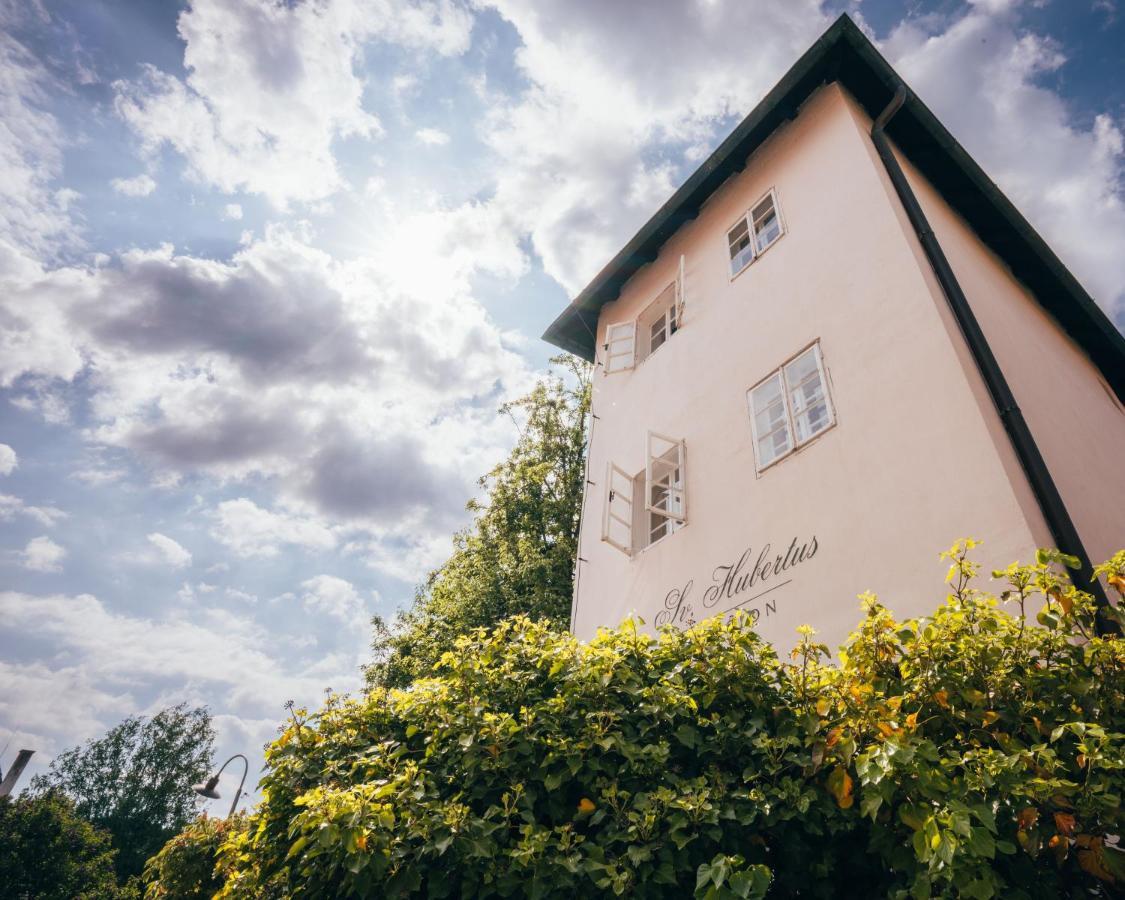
point(911, 464)
point(1073, 415)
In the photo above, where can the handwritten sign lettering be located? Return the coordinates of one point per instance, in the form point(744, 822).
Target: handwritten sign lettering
point(737, 584)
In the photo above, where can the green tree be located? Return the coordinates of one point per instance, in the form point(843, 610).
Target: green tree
point(518, 555)
point(964, 754)
point(49, 852)
point(135, 782)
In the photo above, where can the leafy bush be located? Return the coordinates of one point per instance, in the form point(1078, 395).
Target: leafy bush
point(186, 865)
point(964, 754)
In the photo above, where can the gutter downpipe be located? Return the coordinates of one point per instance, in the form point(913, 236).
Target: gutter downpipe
point(1039, 478)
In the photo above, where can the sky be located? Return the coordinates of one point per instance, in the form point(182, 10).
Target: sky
point(267, 270)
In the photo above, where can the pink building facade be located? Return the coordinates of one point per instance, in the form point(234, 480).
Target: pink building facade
point(788, 409)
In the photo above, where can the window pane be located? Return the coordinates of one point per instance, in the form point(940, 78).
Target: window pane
point(770, 421)
point(801, 368)
point(772, 446)
point(811, 421)
point(738, 237)
point(767, 231)
point(659, 335)
point(766, 392)
point(772, 417)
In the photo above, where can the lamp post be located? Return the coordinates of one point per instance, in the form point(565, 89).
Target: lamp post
point(208, 789)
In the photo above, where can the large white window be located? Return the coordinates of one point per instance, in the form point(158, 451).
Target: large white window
point(790, 407)
point(630, 343)
point(643, 508)
point(754, 233)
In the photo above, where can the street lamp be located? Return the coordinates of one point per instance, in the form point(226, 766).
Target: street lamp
point(208, 789)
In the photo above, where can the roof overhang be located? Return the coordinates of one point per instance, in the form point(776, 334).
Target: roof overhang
point(844, 54)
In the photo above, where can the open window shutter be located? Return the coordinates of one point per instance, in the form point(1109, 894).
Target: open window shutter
point(617, 519)
point(680, 294)
point(665, 477)
point(620, 345)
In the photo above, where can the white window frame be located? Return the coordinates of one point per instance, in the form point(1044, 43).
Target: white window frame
point(620, 347)
point(790, 424)
point(653, 454)
point(747, 219)
point(615, 478)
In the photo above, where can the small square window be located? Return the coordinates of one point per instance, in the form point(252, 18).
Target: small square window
point(754, 233)
point(789, 407)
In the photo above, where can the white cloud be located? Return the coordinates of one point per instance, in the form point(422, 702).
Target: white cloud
point(432, 137)
point(43, 555)
point(250, 531)
point(9, 462)
point(232, 212)
point(109, 664)
point(271, 86)
point(33, 213)
point(1069, 187)
point(604, 113)
point(240, 595)
point(334, 597)
point(11, 506)
point(170, 551)
point(138, 186)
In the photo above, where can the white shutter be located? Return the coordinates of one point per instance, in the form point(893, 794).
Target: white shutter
point(665, 477)
point(680, 295)
point(617, 518)
point(620, 345)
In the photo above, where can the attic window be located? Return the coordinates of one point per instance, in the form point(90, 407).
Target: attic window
point(630, 343)
point(754, 233)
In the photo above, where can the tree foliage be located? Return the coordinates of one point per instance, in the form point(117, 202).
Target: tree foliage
point(518, 555)
point(135, 781)
point(49, 852)
point(967, 754)
point(185, 866)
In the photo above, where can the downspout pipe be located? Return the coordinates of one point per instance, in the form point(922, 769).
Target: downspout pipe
point(1047, 495)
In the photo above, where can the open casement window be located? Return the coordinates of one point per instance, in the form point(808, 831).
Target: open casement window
point(790, 407)
point(617, 520)
point(754, 233)
point(620, 347)
point(741, 249)
point(664, 478)
point(766, 222)
point(681, 296)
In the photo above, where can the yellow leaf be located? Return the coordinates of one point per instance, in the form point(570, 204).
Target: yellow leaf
point(823, 707)
point(912, 720)
point(361, 842)
point(833, 737)
point(886, 729)
point(586, 805)
point(942, 698)
point(1081, 760)
point(990, 717)
point(1118, 582)
point(840, 786)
